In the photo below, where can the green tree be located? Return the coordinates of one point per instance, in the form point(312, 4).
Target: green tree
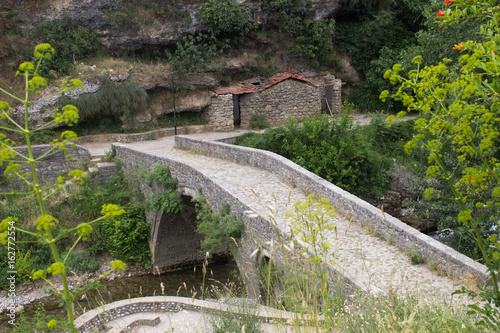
point(226, 17)
point(47, 231)
point(461, 112)
point(193, 52)
point(73, 44)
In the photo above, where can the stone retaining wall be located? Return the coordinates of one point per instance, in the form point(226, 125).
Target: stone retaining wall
point(347, 204)
point(50, 167)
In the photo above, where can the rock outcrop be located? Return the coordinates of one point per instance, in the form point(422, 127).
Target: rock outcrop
point(123, 27)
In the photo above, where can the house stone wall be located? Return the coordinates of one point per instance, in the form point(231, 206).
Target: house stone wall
point(287, 99)
point(220, 113)
point(331, 92)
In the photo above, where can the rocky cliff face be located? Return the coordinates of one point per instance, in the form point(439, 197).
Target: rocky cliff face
point(129, 25)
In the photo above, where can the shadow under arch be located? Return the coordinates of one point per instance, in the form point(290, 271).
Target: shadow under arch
point(175, 243)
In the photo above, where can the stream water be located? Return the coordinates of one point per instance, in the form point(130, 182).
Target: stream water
point(187, 283)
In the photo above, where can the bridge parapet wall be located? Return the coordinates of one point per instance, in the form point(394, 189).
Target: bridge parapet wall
point(258, 232)
point(360, 211)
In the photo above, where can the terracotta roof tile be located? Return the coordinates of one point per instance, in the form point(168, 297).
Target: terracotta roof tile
point(247, 88)
point(280, 77)
point(237, 89)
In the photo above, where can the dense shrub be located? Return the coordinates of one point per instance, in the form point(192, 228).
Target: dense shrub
point(334, 150)
point(73, 43)
point(111, 100)
point(129, 240)
point(226, 17)
point(389, 140)
point(193, 52)
point(217, 228)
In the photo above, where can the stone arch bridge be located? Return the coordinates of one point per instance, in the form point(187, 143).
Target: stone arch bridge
point(267, 184)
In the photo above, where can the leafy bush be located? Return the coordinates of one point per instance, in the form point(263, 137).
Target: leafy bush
point(217, 228)
point(333, 150)
point(127, 237)
point(258, 120)
point(88, 200)
point(24, 266)
point(390, 140)
point(193, 52)
point(226, 17)
point(111, 100)
point(73, 43)
point(169, 200)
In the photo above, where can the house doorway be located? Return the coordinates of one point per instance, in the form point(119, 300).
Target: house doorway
point(236, 111)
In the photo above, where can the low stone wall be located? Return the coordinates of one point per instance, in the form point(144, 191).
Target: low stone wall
point(287, 99)
point(50, 167)
point(347, 204)
point(146, 136)
point(95, 320)
point(217, 193)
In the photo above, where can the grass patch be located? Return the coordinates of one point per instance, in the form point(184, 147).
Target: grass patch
point(415, 257)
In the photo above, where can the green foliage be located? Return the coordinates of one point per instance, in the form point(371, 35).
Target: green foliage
point(437, 42)
point(365, 97)
point(373, 36)
point(258, 120)
point(169, 200)
point(47, 230)
point(28, 324)
point(390, 140)
point(127, 237)
point(459, 120)
point(111, 100)
point(296, 19)
point(24, 266)
point(216, 228)
point(74, 43)
point(193, 52)
point(415, 257)
point(330, 148)
point(400, 312)
point(226, 17)
point(310, 224)
point(123, 14)
point(82, 262)
point(363, 30)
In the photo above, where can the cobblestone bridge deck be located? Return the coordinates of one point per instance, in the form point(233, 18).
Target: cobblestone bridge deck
point(371, 262)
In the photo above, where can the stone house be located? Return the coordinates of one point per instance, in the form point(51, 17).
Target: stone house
point(285, 95)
